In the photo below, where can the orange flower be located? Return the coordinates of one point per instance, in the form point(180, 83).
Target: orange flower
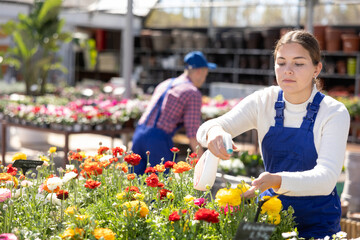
point(46, 188)
point(152, 180)
point(5, 177)
point(133, 159)
point(131, 176)
point(181, 167)
point(117, 150)
point(159, 168)
point(92, 184)
point(102, 150)
point(70, 233)
point(122, 167)
point(105, 233)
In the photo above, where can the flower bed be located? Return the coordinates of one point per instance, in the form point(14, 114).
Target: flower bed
point(98, 196)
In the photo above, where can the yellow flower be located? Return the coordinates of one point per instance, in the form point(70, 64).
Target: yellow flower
point(170, 195)
point(243, 186)
point(272, 205)
point(230, 197)
point(44, 159)
point(82, 217)
point(52, 150)
point(159, 168)
point(274, 218)
point(139, 196)
point(70, 233)
point(189, 198)
point(19, 156)
point(83, 154)
point(70, 210)
point(121, 195)
point(105, 233)
point(134, 206)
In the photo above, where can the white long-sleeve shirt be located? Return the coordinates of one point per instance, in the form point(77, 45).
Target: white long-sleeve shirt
point(331, 130)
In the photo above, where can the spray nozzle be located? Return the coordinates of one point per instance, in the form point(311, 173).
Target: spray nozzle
point(228, 143)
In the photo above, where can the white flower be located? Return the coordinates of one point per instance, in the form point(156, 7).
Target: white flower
point(70, 167)
point(52, 198)
point(289, 234)
point(26, 183)
point(327, 238)
point(68, 176)
point(53, 183)
point(105, 158)
point(341, 234)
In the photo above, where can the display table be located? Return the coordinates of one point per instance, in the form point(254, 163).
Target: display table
point(112, 133)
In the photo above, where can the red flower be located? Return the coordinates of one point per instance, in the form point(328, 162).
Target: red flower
point(131, 176)
point(194, 162)
point(132, 189)
point(174, 216)
point(161, 185)
point(152, 180)
point(150, 170)
point(175, 150)
point(169, 164)
point(117, 150)
point(102, 150)
point(75, 156)
point(162, 193)
point(133, 159)
point(62, 194)
point(193, 155)
point(207, 215)
point(92, 184)
point(11, 170)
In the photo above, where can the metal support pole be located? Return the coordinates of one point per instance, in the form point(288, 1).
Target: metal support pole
point(128, 50)
point(310, 15)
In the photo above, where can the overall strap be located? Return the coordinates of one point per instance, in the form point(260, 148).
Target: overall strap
point(158, 104)
point(312, 110)
point(279, 108)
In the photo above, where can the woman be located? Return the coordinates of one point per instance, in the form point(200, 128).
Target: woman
point(302, 136)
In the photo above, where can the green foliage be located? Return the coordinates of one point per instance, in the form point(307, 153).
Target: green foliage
point(37, 38)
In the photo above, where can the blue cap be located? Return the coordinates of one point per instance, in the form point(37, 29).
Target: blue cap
point(197, 59)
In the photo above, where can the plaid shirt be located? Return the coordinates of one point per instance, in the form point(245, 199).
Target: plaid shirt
point(181, 105)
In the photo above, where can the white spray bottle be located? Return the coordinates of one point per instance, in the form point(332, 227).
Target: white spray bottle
point(206, 168)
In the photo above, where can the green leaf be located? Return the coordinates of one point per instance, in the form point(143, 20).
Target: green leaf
point(50, 9)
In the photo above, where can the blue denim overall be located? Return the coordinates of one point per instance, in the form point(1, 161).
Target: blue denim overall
point(292, 149)
point(153, 139)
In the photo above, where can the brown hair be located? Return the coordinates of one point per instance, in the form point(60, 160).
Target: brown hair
point(307, 41)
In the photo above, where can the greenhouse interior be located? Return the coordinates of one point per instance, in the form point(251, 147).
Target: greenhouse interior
point(159, 119)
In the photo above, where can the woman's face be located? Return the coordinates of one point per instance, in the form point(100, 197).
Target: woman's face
point(295, 72)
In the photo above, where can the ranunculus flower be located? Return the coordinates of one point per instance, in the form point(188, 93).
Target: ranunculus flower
point(271, 205)
point(175, 150)
point(117, 150)
point(137, 206)
point(174, 216)
point(11, 170)
point(159, 168)
point(230, 197)
point(68, 176)
point(53, 198)
point(19, 156)
point(105, 233)
point(26, 183)
point(133, 159)
point(152, 180)
point(161, 185)
point(169, 164)
point(102, 150)
point(207, 215)
point(132, 189)
point(52, 150)
point(53, 184)
point(70, 210)
point(162, 193)
point(150, 170)
point(62, 194)
point(8, 236)
point(181, 167)
point(4, 194)
point(131, 176)
point(44, 158)
point(122, 166)
point(200, 202)
point(189, 198)
point(92, 184)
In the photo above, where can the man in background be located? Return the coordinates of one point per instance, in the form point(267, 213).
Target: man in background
point(175, 103)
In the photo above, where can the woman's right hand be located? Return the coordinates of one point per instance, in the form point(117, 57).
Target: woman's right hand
point(215, 142)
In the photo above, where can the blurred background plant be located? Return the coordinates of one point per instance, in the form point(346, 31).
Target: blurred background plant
point(36, 40)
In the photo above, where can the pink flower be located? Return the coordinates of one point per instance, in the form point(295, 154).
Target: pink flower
point(8, 236)
point(200, 202)
point(4, 194)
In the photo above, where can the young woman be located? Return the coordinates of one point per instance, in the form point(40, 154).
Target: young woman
point(302, 136)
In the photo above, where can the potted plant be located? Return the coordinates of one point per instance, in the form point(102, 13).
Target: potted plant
point(37, 38)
